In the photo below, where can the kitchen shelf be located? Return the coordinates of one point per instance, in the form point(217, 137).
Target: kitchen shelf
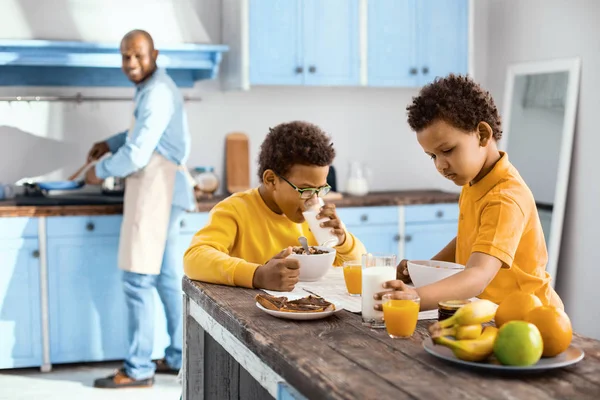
point(66, 63)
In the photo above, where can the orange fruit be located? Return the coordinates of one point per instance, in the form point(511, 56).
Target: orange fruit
point(555, 326)
point(515, 307)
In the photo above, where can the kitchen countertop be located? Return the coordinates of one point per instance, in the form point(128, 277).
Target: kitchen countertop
point(10, 209)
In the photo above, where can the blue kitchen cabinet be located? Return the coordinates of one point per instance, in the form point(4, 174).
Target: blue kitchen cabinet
point(376, 227)
point(442, 38)
point(20, 314)
point(381, 239)
point(410, 42)
point(426, 230)
point(87, 310)
point(331, 42)
point(429, 228)
point(293, 42)
point(392, 51)
point(275, 41)
point(423, 241)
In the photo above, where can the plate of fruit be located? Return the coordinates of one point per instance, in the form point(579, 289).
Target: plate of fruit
point(519, 335)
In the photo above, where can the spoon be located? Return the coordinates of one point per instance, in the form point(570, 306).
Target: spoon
point(304, 244)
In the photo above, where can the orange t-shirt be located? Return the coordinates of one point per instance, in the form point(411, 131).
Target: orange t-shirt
point(498, 216)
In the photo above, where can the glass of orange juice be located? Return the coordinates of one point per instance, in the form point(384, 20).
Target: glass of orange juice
point(353, 277)
point(400, 313)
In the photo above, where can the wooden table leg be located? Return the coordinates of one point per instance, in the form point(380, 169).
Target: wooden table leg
point(193, 345)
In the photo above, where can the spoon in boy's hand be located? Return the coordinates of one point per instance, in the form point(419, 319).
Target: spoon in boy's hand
point(304, 244)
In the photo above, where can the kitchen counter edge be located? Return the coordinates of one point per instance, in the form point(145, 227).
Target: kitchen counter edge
point(399, 198)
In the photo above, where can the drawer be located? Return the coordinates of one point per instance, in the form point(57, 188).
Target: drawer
point(361, 216)
point(18, 227)
point(99, 225)
point(193, 222)
point(431, 213)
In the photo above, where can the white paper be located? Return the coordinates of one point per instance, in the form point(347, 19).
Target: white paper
point(333, 289)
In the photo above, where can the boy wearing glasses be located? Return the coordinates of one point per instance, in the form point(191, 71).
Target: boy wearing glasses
point(242, 241)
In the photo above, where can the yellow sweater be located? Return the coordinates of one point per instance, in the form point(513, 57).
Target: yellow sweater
point(243, 233)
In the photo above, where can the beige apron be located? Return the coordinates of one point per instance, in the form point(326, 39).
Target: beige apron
point(146, 213)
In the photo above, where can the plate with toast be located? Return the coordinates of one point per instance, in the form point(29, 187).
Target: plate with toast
point(304, 308)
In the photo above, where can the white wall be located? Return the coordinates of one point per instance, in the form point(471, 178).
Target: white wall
point(367, 125)
point(540, 30)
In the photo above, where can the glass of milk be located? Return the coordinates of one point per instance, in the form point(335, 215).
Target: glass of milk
point(324, 236)
point(376, 270)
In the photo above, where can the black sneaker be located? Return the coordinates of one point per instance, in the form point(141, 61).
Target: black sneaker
point(121, 380)
point(163, 368)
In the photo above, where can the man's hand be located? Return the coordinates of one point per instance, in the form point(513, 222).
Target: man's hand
point(280, 273)
point(397, 287)
point(335, 223)
point(91, 178)
point(402, 272)
point(98, 150)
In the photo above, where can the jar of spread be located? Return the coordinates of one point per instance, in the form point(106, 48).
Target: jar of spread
point(206, 179)
point(446, 309)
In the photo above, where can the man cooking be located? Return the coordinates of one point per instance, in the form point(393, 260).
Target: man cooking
point(150, 155)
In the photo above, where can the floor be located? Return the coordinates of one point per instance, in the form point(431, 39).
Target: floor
point(66, 382)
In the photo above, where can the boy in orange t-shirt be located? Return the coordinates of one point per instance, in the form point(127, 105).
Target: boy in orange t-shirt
point(500, 238)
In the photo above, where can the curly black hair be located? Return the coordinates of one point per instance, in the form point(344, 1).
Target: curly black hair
point(292, 143)
point(459, 101)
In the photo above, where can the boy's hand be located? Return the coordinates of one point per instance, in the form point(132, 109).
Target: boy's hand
point(279, 273)
point(402, 272)
point(328, 211)
point(397, 287)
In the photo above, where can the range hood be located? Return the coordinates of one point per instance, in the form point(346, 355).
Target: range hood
point(78, 63)
point(76, 42)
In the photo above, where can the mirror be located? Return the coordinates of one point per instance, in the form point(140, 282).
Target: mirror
point(540, 103)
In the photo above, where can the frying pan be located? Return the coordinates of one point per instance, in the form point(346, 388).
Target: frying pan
point(60, 185)
point(70, 184)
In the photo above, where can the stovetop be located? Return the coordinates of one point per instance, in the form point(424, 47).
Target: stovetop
point(68, 200)
point(34, 196)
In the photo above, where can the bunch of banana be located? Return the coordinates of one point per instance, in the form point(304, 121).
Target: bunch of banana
point(470, 342)
point(472, 349)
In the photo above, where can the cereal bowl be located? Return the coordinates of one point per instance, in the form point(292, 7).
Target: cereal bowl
point(426, 272)
point(314, 266)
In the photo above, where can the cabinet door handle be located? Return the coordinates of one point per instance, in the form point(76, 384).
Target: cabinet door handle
point(182, 224)
point(35, 254)
point(397, 238)
point(439, 214)
point(364, 218)
point(90, 226)
point(425, 70)
point(407, 238)
point(312, 69)
point(413, 71)
point(299, 70)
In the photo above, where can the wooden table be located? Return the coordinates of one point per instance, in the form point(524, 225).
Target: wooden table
point(233, 350)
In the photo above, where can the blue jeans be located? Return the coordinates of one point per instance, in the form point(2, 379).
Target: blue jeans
point(139, 294)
